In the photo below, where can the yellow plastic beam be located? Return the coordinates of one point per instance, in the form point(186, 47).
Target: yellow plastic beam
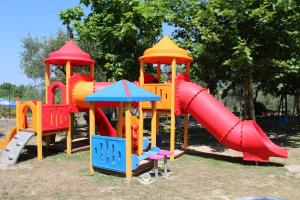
point(69, 133)
point(39, 131)
point(153, 124)
point(187, 69)
point(8, 138)
point(92, 71)
point(158, 72)
point(141, 113)
point(172, 138)
point(18, 115)
point(128, 141)
point(92, 131)
point(47, 80)
point(68, 75)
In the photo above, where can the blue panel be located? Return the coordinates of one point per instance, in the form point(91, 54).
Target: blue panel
point(110, 153)
point(146, 144)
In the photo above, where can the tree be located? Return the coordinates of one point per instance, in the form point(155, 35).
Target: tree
point(36, 50)
point(238, 42)
point(115, 33)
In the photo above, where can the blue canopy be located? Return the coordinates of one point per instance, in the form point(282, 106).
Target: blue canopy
point(122, 91)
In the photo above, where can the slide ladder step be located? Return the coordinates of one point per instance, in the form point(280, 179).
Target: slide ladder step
point(13, 150)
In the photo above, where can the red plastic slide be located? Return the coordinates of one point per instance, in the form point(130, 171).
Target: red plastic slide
point(103, 124)
point(245, 136)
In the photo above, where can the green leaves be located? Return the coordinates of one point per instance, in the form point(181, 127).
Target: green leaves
point(35, 51)
point(115, 33)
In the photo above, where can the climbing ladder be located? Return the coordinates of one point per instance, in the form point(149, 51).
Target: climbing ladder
point(13, 150)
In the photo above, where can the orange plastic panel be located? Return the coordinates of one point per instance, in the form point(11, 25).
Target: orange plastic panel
point(162, 90)
point(10, 136)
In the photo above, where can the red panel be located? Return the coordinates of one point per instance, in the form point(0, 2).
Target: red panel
point(51, 92)
point(55, 117)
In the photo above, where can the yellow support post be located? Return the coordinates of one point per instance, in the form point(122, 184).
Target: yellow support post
point(92, 71)
point(39, 136)
point(68, 74)
point(92, 131)
point(187, 69)
point(185, 133)
point(158, 72)
point(69, 133)
point(153, 124)
point(142, 69)
point(120, 119)
point(128, 141)
point(157, 122)
point(172, 138)
point(47, 80)
point(141, 113)
point(18, 115)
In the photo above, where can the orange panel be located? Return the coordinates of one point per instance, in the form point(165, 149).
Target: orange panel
point(162, 90)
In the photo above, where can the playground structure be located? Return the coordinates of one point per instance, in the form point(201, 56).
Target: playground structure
point(179, 96)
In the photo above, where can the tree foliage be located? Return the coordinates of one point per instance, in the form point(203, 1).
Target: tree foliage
point(23, 92)
point(115, 33)
point(36, 50)
point(240, 41)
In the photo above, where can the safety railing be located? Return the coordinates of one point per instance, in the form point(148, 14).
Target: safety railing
point(55, 117)
point(162, 90)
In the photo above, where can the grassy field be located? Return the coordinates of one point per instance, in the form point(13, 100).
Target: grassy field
point(214, 174)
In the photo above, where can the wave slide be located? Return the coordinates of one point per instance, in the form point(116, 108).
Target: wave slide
point(103, 124)
point(245, 136)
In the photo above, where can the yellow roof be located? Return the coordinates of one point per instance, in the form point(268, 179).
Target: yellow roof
point(164, 52)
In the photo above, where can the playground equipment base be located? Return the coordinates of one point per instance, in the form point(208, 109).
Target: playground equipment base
point(78, 144)
point(13, 150)
point(178, 153)
point(144, 166)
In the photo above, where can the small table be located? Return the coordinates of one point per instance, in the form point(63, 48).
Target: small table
point(156, 158)
point(165, 153)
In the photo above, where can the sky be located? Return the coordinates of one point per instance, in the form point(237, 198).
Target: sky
point(18, 18)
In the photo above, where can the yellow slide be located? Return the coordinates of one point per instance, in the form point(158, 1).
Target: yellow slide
point(9, 137)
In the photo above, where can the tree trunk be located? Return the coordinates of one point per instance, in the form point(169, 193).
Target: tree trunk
point(248, 98)
point(297, 102)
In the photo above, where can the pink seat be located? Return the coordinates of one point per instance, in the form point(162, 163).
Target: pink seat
point(164, 152)
point(156, 157)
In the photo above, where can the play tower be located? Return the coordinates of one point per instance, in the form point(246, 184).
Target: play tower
point(165, 52)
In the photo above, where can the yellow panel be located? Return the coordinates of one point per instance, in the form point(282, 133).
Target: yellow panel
point(162, 90)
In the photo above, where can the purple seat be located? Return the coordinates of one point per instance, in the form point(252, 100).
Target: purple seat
point(164, 152)
point(156, 157)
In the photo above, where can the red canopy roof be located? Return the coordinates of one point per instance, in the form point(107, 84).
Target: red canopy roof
point(72, 52)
